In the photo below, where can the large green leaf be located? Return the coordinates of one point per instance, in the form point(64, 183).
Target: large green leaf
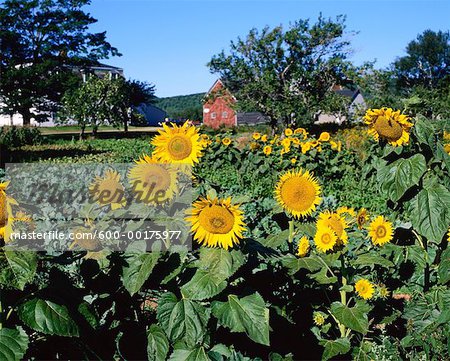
point(372, 258)
point(47, 317)
point(335, 347)
point(276, 240)
point(182, 319)
point(248, 314)
point(425, 132)
point(431, 212)
point(295, 264)
point(157, 344)
point(17, 268)
point(139, 268)
point(444, 267)
point(351, 317)
point(186, 354)
point(13, 344)
point(396, 178)
point(215, 266)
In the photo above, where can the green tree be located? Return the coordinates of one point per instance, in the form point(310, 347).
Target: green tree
point(40, 41)
point(105, 101)
point(287, 74)
point(427, 61)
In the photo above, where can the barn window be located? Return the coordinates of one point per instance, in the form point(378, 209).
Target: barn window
point(224, 114)
point(213, 115)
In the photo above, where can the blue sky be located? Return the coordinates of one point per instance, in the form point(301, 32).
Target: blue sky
point(168, 43)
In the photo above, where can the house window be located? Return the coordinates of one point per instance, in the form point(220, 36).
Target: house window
point(224, 114)
point(213, 115)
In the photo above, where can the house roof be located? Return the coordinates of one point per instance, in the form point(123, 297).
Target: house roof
point(349, 93)
point(251, 118)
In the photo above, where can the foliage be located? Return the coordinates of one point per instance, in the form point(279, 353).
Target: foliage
point(426, 62)
point(18, 136)
point(182, 106)
point(260, 300)
point(37, 54)
point(105, 101)
point(287, 74)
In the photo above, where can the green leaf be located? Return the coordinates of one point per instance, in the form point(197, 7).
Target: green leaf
point(185, 354)
point(248, 314)
point(85, 310)
point(47, 317)
point(396, 178)
point(295, 264)
point(322, 277)
point(140, 266)
point(215, 266)
point(425, 132)
point(444, 267)
point(368, 259)
point(17, 268)
point(182, 319)
point(431, 212)
point(336, 347)
point(13, 344)
point(276, 240)
point(351, 317)
point(157, 344)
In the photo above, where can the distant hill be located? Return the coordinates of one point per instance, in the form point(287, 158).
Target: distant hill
point(182, 106)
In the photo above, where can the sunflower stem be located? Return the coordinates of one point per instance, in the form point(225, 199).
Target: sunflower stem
point(344, 302)
point(291, 231)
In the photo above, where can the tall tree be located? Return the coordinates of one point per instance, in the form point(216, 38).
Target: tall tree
point(287, 74)
point(40, 41)
point(427, 61)
point(105, 101)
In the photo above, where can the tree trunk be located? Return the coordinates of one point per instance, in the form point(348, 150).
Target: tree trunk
point(125, 124)
point(94, 130)
point(83, 128)
point(26, 116)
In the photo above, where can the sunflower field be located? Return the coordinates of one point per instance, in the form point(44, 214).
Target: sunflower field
point(304, 247)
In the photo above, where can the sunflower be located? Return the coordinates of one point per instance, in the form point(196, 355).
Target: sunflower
point(264, 138)
point(380, 231)
point(254, 146)
point(347, 213)
point(324, 137)
point(152, 181)
point(336, 223)
point(267, 150)
point(314, 143)
point(319, 318)
point(293, 160)
point(301, 131)
point(303, 247)
point(226, 141)
point(362, 218)
point(286, 142)
point(383, 291)
point(325, 239)
point(108, 190)
point(288, 132)
point(178, 144)
point(389, 125)
point(298, 192)
point(336, 146)
point(6, 219)
point(256, 135)
point(448, 235)
point(306, 147)
point(216, 222)
point(364, 289)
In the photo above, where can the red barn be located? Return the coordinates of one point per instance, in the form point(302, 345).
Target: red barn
point(218, 107)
